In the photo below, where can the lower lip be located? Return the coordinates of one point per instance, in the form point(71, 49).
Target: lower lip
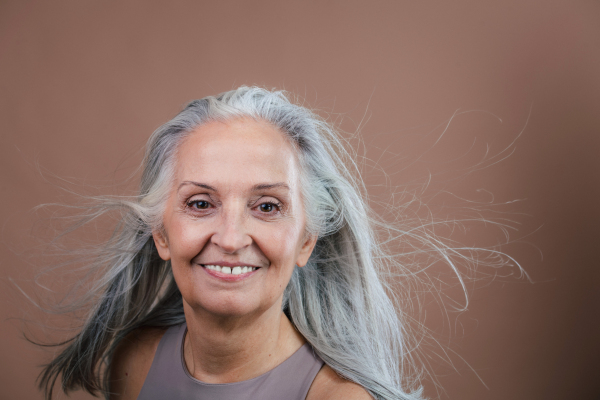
point(229, 277)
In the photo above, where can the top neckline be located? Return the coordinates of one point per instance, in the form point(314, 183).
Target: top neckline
point(260, 377)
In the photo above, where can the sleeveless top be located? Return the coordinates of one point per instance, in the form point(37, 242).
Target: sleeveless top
point(169, 379)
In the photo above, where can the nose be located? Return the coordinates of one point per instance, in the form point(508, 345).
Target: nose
point(231, 234)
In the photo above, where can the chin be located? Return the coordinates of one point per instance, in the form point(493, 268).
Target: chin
point(226, 306)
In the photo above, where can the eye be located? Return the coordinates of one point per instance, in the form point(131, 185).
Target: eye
point(199, 204)
point(268, 207)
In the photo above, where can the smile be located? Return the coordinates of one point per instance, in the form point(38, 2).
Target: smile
point(239, 270)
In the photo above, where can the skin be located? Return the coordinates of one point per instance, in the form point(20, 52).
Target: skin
point(235, 200)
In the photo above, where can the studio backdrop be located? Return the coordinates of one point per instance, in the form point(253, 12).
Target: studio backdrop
point(488, 108)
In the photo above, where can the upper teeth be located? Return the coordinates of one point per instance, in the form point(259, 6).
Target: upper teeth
point(229, 270)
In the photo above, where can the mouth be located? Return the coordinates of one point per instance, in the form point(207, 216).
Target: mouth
point(230, 270)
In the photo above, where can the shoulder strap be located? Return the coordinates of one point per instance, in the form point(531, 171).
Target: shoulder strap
point(166, 371)
point(292, 378)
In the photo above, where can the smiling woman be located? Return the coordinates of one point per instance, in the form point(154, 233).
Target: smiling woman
point(246, 268)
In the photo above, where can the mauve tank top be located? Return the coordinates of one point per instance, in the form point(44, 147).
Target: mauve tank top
point(169, 379)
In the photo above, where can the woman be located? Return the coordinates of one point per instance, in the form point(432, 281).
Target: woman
point(246, 268)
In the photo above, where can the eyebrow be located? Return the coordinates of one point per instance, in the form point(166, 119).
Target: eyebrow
point(263, 186)
point(202, 185)
point(260, 186)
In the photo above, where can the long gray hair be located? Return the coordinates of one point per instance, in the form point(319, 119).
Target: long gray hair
point(340, 301)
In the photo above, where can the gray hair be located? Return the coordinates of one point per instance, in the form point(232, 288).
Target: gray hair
point(340, 301)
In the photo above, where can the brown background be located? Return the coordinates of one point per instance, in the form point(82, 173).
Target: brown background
point(83, 83)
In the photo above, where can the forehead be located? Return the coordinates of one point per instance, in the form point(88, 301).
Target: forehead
point(238, 152)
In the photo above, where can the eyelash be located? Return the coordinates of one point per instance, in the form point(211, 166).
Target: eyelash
point(271, 203)
point(191, 204)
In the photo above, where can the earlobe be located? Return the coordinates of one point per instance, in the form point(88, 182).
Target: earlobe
point(162, 245)
point(306, 250)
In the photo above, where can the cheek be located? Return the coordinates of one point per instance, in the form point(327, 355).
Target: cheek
point(280, 245)
point(186, 240)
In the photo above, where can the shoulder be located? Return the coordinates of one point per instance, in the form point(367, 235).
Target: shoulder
point(329, 385)
point(132, 361)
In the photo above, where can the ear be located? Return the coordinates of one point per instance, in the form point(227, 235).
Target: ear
point(306, 250)
point(162, 245)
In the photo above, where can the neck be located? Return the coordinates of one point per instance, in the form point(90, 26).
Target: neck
point(221, 349)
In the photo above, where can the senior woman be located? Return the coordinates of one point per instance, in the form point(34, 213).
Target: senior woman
point(246, 268)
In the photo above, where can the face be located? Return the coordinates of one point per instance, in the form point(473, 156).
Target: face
point(234, 225)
